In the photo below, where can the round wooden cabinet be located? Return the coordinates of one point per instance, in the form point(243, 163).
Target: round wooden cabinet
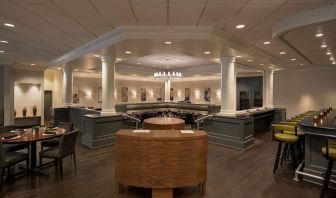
point(164, 123)
point(161, 160)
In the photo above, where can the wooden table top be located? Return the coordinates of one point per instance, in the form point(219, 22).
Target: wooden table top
point(161, 135)
point(28, 136)
point(164, 121)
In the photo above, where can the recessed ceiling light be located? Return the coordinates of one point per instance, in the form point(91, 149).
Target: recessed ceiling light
point(207, 52)
point(331, 58)
point(324, 46)
point(9, 25)
point(128, 52)
point(32, 64)
point(59, 68)
point(333, 63)
point(240, 26)
point(2, 41)
point(2, 51)
point(328, 53)
point(261, 64)
point(282, 53)
point(168, 42)
point(118, 59)
point(293, 59)
point(96, 55)
point(238, 56)
point(301, 64)
point(138, 63)
point(319, 34)
point(267, 42)
point(249, 60)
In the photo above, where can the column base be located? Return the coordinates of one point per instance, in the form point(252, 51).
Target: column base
point(227, 113)
point(108, 112)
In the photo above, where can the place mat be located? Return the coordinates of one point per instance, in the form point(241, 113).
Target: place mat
point(50, 133)
point(12, 137)
point(141, 131)
point(187, 131)
point(17, 130)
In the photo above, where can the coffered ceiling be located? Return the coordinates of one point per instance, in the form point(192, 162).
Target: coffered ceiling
point(47, 29)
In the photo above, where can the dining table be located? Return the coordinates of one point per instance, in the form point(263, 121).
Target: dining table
point(31, 136)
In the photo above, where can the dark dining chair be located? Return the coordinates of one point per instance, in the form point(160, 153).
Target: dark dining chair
point(12, 147)
point(68, 126)
point(67, 147)
point(8, 160)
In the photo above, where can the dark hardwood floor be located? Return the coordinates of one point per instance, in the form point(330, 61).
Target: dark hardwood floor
point(231, 173)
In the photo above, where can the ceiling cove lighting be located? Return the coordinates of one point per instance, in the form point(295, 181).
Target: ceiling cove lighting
point(240, 26)
point(282, 53)
point(167, 75)
point(128, 52)
point(207, 52)
point(324, 46)
point(168, 42)
point(319, 35)
point(267, 42)
point(9, 25)
point(3, 41)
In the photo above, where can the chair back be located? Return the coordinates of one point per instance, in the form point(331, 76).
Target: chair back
point(2, 155)
point(6, 128)
point(68, 143)
point(68, 126)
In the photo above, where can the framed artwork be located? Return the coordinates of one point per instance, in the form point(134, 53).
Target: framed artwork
point(99, 95)
point(159, 94)
point(207, 94)
point(124, 94)
point(187, 93)
point(143, 94)
point(171, 94)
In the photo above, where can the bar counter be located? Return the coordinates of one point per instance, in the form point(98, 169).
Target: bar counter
point(316, 135)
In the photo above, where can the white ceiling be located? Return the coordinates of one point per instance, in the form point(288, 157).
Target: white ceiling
point(47, 29)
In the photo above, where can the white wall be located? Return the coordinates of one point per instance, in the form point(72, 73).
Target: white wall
point(300, 91)
point(28, 77)
point(87, 88)
point(53, 82)
point(197, 90)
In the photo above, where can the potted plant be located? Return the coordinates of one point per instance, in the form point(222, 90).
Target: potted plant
point(24, 111)
point(34, 110)
point(14, 113)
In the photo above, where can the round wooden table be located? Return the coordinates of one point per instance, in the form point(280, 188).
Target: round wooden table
point(164, 123)
point(28, 136)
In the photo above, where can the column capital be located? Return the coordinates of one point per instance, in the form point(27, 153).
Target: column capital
point(228, 59)
point(107, 59)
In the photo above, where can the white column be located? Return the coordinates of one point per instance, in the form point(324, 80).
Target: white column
point(8, 96)
point(268, 78)
point(108, 85)
point(228, 85)
point(67, 86)
point(167, 90)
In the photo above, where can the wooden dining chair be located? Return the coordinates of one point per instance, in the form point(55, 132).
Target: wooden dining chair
point(67, 126)
point(8, 160)
point(67, 147)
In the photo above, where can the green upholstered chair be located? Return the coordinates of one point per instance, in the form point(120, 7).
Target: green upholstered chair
point(8, 160)
point(329, 152)
point(285, 134)
point(65, 148)
point(68, 126)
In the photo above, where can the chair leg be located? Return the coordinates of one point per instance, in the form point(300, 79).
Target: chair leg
point(292, 146)
point(74, 159)
point(327, 178)
point(2, 172)
point(40, 163)
point(8, 174)
point(277, 157)
point(284, 152)
point(61, 167)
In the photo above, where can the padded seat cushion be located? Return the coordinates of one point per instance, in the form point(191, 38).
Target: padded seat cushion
point(14, 147)
point(286, 137)
point(14, 158)
point(299, 133)
point(51, 142)
point(52, 152)
point(331, 152)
